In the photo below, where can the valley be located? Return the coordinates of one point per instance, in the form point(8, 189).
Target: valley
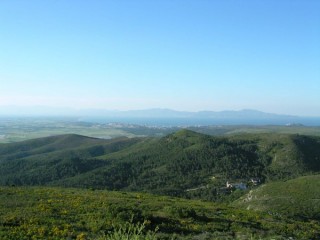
point(274, 185)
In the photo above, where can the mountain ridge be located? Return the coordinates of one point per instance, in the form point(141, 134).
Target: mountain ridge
point(162, 116)
point(151, 112)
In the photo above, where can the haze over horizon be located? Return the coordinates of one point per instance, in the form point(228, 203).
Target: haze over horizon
point(43, 111)
point(181, 55)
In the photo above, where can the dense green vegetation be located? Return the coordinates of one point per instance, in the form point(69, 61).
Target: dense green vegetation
point(182, 164)
point(298, 198)
point(57, 213)
point(185, 163)
point(43, 160)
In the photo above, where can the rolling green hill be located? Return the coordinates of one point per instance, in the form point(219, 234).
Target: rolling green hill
point(298, 198)
point(171, 165)
point(182, 164)
point(40, 161)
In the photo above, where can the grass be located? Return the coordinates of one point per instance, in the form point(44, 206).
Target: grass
point(60, 213)
point(299, 198)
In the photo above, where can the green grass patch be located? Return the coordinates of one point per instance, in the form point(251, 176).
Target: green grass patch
point(57, 213)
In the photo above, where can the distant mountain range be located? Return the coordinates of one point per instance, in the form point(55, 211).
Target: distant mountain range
point(160, 116)
point(168, 113)
point(146, 113)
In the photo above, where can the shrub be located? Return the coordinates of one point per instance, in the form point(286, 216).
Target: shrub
point(131, 231)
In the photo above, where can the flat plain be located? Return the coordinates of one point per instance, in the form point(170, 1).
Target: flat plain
point(19, 129)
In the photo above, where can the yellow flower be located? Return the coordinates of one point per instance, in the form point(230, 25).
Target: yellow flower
point(81, 236)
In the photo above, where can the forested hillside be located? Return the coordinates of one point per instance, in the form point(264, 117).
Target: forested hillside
point(43, 160)
point(184, 163)
point(280, 171)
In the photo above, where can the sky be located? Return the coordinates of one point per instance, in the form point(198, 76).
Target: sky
point(188, 55)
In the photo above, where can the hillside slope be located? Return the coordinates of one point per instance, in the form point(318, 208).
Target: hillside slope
point(170, 165)
point(39, 161)
point(62, 213)
point(298, 198)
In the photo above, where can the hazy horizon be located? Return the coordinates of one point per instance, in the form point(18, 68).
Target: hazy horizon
point(41, 110)
point(182, 55)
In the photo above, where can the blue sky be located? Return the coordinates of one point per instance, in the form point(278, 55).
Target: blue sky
point(179, 54)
